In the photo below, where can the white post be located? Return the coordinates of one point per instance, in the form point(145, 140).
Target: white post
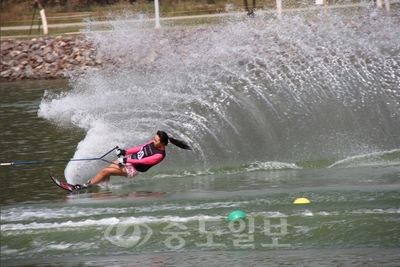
point(279, 8)
point(157, 14)
point(387, 5)
point(44, 22)
point(43, 17)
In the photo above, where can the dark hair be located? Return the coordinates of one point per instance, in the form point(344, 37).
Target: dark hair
point(164, 138)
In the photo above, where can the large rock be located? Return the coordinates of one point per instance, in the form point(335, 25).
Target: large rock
point(46, 58)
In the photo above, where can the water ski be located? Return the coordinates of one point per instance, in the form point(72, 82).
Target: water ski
point(67, 186)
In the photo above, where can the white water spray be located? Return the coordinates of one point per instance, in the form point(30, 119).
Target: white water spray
point(241, 91)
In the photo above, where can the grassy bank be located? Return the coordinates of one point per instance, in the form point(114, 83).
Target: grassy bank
point(22, 14)
point(26, 15)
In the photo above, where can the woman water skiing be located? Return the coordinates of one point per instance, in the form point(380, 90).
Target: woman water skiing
point(136, 159)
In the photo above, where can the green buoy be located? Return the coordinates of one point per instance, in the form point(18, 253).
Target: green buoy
point(236, 215)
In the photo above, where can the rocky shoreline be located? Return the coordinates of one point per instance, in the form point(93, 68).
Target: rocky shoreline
point(46, 58)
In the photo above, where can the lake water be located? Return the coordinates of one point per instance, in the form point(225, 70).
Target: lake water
point(265, 129)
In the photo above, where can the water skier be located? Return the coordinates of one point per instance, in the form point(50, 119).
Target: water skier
point(137, 159)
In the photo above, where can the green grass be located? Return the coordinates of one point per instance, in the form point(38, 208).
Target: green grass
point(67, 30)
point(34, 33)
point(23, 14)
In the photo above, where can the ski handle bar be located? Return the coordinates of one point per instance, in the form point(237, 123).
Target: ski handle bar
point(15, 163)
